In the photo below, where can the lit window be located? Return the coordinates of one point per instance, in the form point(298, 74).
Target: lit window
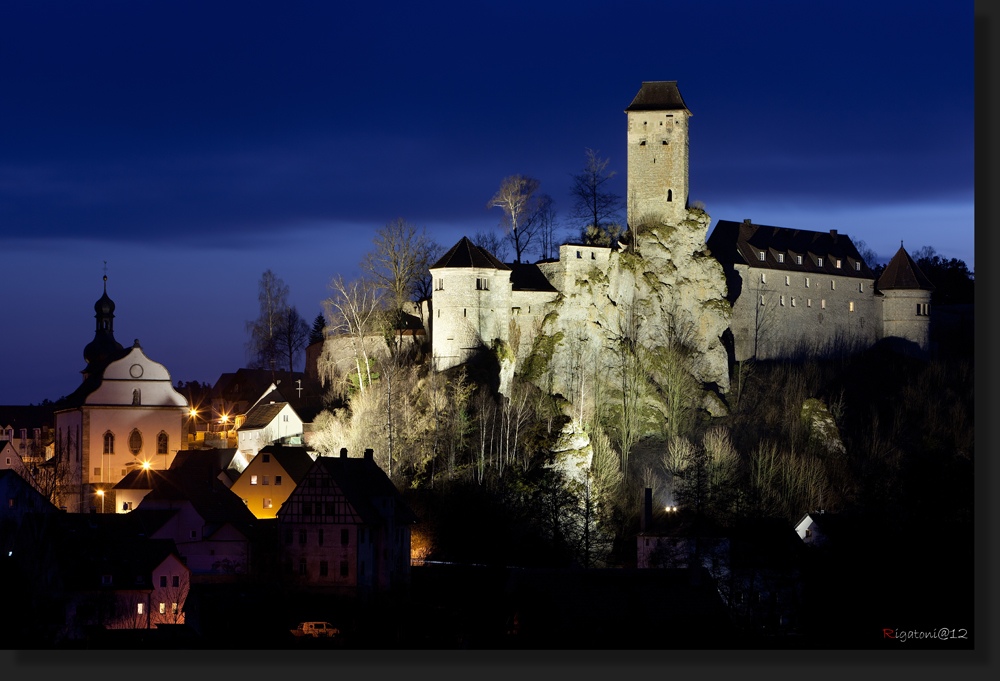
point(163, 608)
point(253, 479)
point(850, 306)
point(781, 257)
point(798, 260)
point(173, 608)
point(857, 266)
point(838, 263)
point(822, 304)
point(267, 503)
point(819, 262)
point(140, 608)
point(760, 256)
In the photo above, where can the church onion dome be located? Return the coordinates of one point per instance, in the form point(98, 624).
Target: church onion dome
point(104, 345)
point(903, 273)
point(467, 254)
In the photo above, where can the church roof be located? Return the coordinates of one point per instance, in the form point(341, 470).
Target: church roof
point(903, 273)
point(742, 243)
point(467, 254)
point(658, 95)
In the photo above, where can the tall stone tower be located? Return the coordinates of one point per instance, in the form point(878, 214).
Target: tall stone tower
point(657, 153)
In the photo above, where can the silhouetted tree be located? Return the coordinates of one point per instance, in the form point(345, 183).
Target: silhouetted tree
point(262, 347)
point(399, 261)
point(318, 333)
point(594, 204)
point(292, 335)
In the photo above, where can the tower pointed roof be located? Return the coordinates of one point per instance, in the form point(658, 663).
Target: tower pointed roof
point(467, 254)
point(903, 273)
point(658, 95)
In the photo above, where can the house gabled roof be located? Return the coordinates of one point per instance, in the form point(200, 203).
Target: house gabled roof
point(467, 254)
point(741, 243)
point(262, 414)
point(658, 95)
point(903, 273)
point(295, 460)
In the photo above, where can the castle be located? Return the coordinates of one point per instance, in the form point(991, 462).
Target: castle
point(793, 293)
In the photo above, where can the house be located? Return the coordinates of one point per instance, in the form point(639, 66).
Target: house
point(271, 477)
point(125, 414)
point(346, 530)
point(268, 421)
point(189, 466)
point(819, 528)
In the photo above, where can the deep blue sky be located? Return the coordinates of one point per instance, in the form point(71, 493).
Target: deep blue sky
point(193, 145)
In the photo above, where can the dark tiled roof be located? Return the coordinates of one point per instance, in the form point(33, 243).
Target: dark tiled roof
point(740, 243)
point(526, 277)
point(658, 95)
point(261, 415)
point(467, 254)
point(903, 273)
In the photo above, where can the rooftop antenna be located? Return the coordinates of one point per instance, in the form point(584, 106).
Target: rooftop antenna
point(299, 381)
point(105, 276)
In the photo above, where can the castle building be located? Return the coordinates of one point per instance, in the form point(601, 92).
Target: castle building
point(126, 414)
point(798, 294)
point(794, 293)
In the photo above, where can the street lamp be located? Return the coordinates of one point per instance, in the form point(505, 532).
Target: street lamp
point(100, 493)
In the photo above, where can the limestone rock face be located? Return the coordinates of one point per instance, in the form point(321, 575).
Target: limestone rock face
point(822, 426)
point(675, 289)
point(573, 453)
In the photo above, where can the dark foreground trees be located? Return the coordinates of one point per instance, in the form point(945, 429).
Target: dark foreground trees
point(278, 335)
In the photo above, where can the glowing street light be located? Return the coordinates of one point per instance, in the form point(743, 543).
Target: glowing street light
point(100, 493)
point(145, 465)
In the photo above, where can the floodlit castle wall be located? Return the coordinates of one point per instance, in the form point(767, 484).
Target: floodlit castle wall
point(657, 164)
point(810, 316)
point(903, 316)
point(464, 317)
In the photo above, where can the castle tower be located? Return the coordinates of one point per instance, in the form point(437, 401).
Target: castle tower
point(471, 303)
point(657, 153)
point(906, 304)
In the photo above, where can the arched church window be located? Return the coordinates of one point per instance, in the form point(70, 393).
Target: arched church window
point(135, 441)
point(161, 443)
point(136, 400)
point(109, 443)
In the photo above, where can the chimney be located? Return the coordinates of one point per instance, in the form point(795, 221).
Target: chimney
point(370, 456)
point(646, 521)
point(343, 452)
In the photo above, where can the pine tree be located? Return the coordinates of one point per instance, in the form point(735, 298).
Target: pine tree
point(318, 332)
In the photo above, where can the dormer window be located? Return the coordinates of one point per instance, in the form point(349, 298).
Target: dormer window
point(798, 260)
point(760, 256)
point(838, 263)
point(819, 262)
point(857, 266)
point(781, 257)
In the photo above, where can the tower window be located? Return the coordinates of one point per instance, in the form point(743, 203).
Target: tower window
point(482, 284)
point(807, 282)
point(833, 285)
point(781, 300)
point(439, 284)
point(762, 300)
point(670, 193)
point(793, 301)
point(465, 312)
point(593, 255)
point(579, 254)
point(642, 143)
point(861, 287)
point(664, 141)
point(763, 277)
point(788, 281)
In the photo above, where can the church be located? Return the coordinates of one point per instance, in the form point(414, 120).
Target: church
point(792, 294)
point(125, 415)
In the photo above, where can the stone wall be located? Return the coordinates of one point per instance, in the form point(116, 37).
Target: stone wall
point(803, 315)
point(465, 317)
point(903, 319)
point(657, 165)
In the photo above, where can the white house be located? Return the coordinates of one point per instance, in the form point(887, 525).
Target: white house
point(270, 420)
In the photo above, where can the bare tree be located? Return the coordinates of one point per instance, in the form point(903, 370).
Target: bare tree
point(547, 231)
point(522, 206)
point(292, 334)
point(354, 311)
point(399, 261)
point(262, 348)
point(595, 204)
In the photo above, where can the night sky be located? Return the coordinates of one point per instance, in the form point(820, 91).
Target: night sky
point(193, 145)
